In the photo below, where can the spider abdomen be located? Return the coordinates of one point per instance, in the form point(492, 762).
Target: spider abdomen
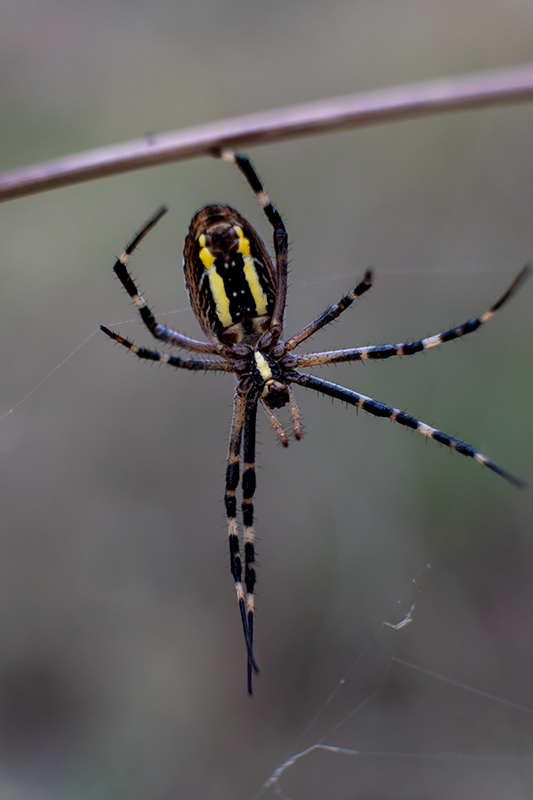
point(229, 276)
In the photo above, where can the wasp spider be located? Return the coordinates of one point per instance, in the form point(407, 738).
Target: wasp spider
point(238, 296)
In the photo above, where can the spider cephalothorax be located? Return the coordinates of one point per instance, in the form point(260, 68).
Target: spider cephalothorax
point(238, 296)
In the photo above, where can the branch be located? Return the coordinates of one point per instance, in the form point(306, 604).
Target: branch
point(513, 85)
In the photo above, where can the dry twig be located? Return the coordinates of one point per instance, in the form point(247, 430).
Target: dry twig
point(367, 108)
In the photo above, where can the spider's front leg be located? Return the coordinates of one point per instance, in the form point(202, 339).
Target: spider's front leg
point(330, 313)
point(242, 418)
point(383, 351)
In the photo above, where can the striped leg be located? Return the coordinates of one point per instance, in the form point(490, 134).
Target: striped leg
point(276, 424)
point(381, 410)
point(159, 331)
point(330, 313)
point(232, 481)
point(152, 355)
point(281, 245)
point(295, 414)
point(409, 348)
point(248, 489)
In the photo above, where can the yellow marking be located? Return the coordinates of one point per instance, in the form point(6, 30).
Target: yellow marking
point(244, 244)
point(206, 256)
point(262, 366)
point(250, 273)
point(216, 285)
point(250, 603)
point(240, 591)
point(232, 527)
point(260, 298)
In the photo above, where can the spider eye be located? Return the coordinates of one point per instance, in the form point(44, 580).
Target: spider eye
point(275, 394)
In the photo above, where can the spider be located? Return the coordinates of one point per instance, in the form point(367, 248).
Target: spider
point(238, 296)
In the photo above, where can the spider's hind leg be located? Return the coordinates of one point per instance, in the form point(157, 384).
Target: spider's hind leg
point(232, 481)
point(377, 409)
point(248, 489)
point(281, 244)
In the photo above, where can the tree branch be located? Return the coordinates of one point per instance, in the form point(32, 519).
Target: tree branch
point(514, 85)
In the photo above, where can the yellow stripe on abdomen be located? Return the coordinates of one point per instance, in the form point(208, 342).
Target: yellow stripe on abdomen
point(250, 273)
point(216, 284)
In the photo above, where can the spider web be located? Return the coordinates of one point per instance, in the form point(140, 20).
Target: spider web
point(349, 759)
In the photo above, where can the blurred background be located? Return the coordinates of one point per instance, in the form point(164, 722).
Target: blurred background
point(122, 666)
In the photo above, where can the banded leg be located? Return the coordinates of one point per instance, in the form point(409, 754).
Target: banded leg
point(280, 234)
point(152, 355)
point(158, 331)
point(409, 348)
point(381, 410)
point(232, 481)
point(248, 489)
point(295, 414)
point(330, 313)
point(276, 424)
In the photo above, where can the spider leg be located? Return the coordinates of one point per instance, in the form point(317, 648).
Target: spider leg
point(248, 489)
point(158, 331)
point(232, 481)
point(381, 410)
point(281, 245)
point(330, 313)
point(276, 424)
point(173, 361)
point(295, 414)
point(409, 348)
